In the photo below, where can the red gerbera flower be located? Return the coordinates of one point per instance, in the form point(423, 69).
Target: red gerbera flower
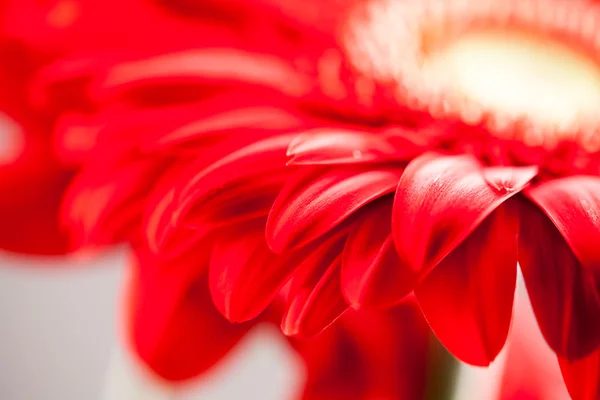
point(154, 120)
point(430, 147)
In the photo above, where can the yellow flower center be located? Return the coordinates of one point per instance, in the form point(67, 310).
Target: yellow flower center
point(518, 74)
point(525, 69)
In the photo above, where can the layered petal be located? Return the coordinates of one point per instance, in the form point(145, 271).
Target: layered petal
point(104, 203)
point(315, 295)
point(440, 200)
point(368, 355)
point(317, 200)
point(561, 262)
point(171, 323)
point(372, 274)
point(245, 276)
point(343, 145)
point(252, 173)
point(467, 298)
point(212, 120)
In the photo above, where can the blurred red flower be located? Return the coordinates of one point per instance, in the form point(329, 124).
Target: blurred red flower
point(32, 179)
point(131, 141)
point(382, 152)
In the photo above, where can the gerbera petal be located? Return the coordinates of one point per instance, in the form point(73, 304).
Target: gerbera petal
point(173, 326)
point(209, 120)
point(582, 377)
point(162, 237)
point(102, 204)
point(372, 274)
point(245, 276)
point(250, 118)
point(348, 146)
point(315, 295)
point(467, 299)
point(560, 262)
point(368, 355)
point(259, 167)
point(317, 200)
point(201, 66)
point(441, 199)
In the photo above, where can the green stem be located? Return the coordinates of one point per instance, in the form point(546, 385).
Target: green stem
point(443, 372)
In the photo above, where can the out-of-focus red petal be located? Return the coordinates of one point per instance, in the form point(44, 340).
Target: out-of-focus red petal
point(254, 171)
point(560, 260)
point(245, 276)
point(582, 377)
point(317, 200)
point(372, 274)
point(368, 355)
point(102, 205)
point(172, 324)
point(202, 66)
point(162, 237)
point(211, 122)
point(79, 26)
point(348, 146)
point(32, 183)
point(467, 298)
point(440, 200)
point(315, 295)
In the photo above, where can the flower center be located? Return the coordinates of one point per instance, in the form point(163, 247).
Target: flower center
point(518, 74)
point(526, 69)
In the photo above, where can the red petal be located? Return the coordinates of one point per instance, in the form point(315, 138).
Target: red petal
point(369, 355)
point(316, 299)
point(173, 326)
point(372, 274)
point(441, 199)
point(207, 65)
point(582, 377)
point(103, 203)
point(245, 276)
point(315, 202)
point(467, 299)
point(255, 169)
point(162, 237)
point(210, 120)
point(32, 184)
point(560, 260)
point(348, 146)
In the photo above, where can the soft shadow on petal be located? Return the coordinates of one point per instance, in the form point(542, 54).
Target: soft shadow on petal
point(560, 265)
point(171, 322)
point(251, 170)
point(372, 274)
point(582, 377)
point(467, 299)
point(315, 294)
point(245, 276)
point(317, 200)
point(440, 200)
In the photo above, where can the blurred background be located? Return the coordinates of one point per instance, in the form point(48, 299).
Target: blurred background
point(59, 341)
